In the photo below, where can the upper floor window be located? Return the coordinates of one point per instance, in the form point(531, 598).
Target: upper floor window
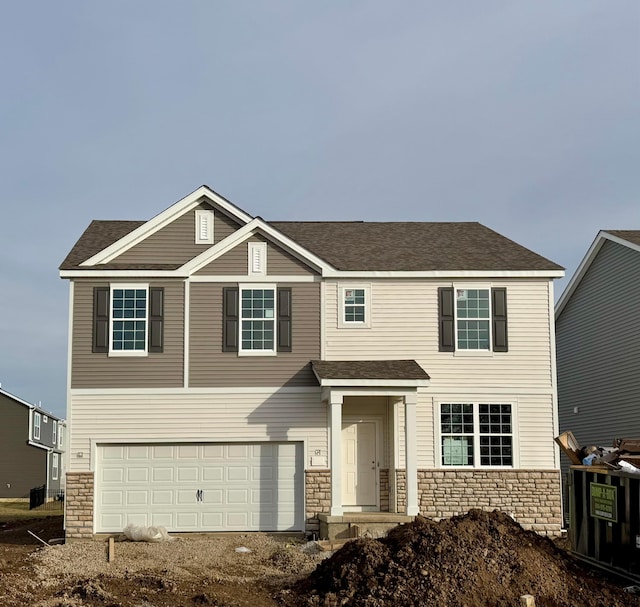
point(54, 438)
point(128, 319)
point(472, 319)
point(36, 426)
point(354, 306)
point(257, 319)
point(60, 437)
point(476, 434)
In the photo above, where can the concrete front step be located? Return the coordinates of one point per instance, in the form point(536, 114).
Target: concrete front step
point(359, 524)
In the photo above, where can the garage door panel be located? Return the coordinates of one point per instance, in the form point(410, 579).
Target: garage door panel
point(162, 498)
point(163, 452)
point(138, 475)
point(161, 475)
point(242, 487)
point(112, 475)
point(188, 474)
point(137, 452)
point(237, 473)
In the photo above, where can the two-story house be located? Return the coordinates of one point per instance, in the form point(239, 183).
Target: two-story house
point(597, 326)
point(31, 449)
point(229, 373)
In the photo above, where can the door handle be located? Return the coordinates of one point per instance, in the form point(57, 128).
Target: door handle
point(199, 495)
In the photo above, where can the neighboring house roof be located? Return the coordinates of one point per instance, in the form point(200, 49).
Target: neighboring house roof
point(359, 246)
point(29, 405)
point(332, 372)
point(626, 238)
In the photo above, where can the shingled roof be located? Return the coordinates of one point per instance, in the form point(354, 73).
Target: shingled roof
point(369, 369)
point(632, 236)
point(407, 246)
point(362, 246)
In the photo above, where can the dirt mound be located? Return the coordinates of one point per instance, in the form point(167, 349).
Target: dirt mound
point(476, 560)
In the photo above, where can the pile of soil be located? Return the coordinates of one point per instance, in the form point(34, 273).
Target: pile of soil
point(478, 559)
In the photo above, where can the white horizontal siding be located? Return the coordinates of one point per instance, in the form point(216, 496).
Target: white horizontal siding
point(216, 416)
point(404, 324)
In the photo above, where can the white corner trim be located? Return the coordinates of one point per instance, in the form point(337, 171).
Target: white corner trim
point(161, 220)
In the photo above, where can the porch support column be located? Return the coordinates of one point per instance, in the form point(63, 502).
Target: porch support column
point(335, 422)
point(411, 456)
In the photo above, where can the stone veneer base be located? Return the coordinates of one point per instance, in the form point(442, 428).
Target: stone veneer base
point(79, 506)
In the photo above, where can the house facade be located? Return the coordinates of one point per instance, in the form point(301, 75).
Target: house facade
point(233, 374)
point(597, 327)
point(31, 449)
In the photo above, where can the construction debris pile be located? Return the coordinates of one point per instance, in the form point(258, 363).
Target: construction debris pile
point(478, 559)
point(624, 455)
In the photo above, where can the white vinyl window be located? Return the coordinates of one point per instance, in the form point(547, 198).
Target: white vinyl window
point(354, 306)
point(129, 312)
point(54, 432)
point(476, 434)
point(257, 320)
point(36, 425)
point(473, 319)
point(54, 466)
point(60, 437)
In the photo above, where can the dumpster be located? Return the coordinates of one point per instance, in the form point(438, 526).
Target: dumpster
point(604, 518)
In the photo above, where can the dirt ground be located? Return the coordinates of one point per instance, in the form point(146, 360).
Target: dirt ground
point(477, 560)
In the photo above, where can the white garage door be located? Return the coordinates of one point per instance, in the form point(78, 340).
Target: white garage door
point(200, 487)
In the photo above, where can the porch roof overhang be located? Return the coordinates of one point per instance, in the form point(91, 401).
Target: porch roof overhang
point(370, 373)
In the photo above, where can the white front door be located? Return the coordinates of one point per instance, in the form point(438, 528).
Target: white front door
point(359, 464)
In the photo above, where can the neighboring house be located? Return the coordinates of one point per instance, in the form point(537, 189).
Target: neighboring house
point(598, 328)
point(229, 373)
point(31, 449)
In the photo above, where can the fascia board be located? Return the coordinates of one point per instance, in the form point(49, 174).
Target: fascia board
point(484, 274)
point(586, 262)
point(40, 446)
point(17, 399)
point(161, 220)
point(104, 274)
point(366, 383)
point(374, 383)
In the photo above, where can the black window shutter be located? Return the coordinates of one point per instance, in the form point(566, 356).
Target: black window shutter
point(230, 319)
point(499, 310)
point(284, 320)
point(156, 319)
point(445, 312)
point(100, 319)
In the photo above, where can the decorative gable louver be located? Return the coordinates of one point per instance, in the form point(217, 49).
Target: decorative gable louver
point(204, 227)
point(257, 258)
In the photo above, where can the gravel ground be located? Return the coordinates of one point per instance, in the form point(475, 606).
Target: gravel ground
point(191, 570)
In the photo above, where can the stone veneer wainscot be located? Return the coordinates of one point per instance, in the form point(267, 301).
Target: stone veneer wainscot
point(79, 506)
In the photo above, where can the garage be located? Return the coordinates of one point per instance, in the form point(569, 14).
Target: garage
point(200, 487)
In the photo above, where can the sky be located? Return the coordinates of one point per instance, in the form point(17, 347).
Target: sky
point(524, 116)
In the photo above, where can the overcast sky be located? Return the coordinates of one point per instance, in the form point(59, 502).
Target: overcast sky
point(521, 115)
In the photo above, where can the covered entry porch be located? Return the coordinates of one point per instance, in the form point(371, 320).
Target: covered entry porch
point(372, 444)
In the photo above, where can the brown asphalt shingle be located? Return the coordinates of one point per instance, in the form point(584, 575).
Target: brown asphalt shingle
point(369, 369)
point(412, 246)
point(630, 235)
point(364, 246)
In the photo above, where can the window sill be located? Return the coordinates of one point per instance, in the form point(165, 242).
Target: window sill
point(257, 353)
point(473, 353)
point(127, 353)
